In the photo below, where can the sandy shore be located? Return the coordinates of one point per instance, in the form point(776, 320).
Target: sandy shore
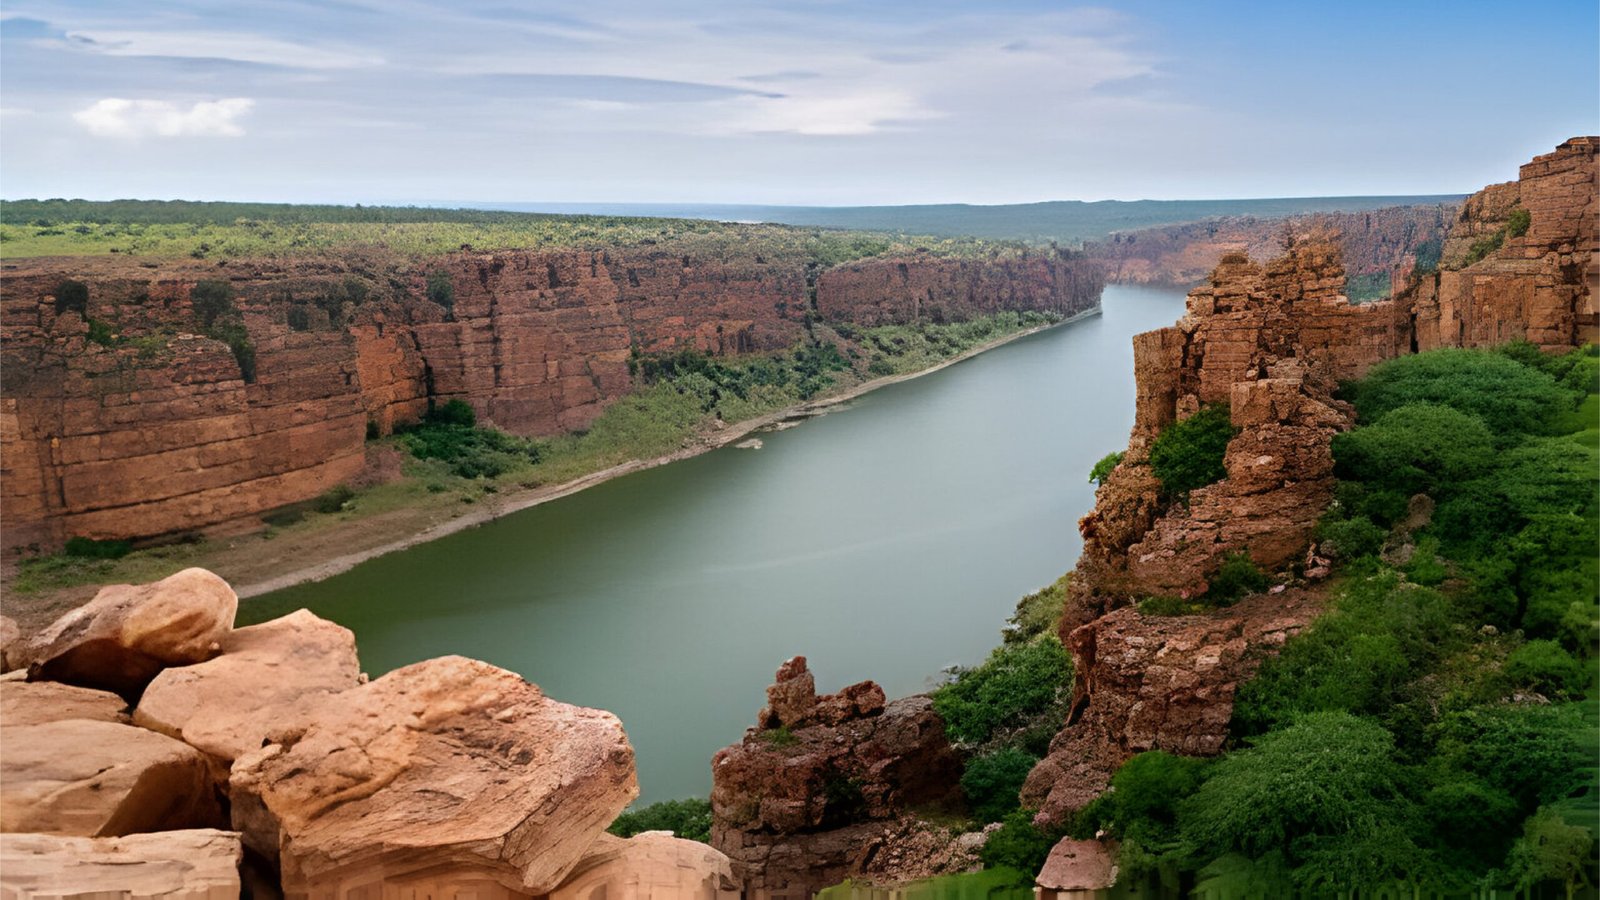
point(506, 504)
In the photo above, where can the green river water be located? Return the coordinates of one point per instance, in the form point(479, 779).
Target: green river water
point(887, 540)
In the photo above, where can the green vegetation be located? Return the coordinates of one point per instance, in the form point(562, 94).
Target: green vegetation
point(1015, 684)
point(74, 296)
point(1102, 469)
point(1516, 226)
point(1038, 613)
point(899, 349)
point(449, 433)
point(1236, 577)
point(689, 819)
point(1188, 454)
point(442, 290)
point(993, 780)
point(1427, 255)
point(1020, 844)
point(87, 548)
point(1437, 727)
point(218, 318)
point(1517, 223)
point(1366, 288)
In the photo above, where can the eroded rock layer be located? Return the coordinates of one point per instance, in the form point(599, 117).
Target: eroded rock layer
point(125, 419)
point(1273, 341)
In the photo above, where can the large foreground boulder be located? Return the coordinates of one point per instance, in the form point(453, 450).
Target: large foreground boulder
point(37, 702)
point(265, 675)
point(650, 866)
point(440, 776)
point(1075, 867)
point(97, 779)
point(173, 865)
point(128, 633)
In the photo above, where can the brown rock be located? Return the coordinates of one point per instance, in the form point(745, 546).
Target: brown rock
point(264, 676)
point(38, 702)
point(649, 866)
point(10, 640)
point(450, 770)
point(1079, 866)
point(125, 635)
point(201, 864)
point(97, 779)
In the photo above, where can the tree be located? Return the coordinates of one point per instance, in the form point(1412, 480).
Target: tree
point(1189, 454)
point(1551, 850)
point(212, 300)
point(72, 295)
point(1102, 469)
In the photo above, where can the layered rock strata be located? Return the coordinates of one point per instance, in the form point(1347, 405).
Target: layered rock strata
point(125, 420)
point(173, 865)
point(808, 797)
point(1273, 341)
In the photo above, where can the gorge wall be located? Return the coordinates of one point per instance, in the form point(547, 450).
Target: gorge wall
point(1380, 242)
point(1272, 341)
point(125, 421)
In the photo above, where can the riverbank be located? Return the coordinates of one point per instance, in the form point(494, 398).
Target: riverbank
point(399, 516)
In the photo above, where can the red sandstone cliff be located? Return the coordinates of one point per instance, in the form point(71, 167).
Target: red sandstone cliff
point(1273, 341)
point(156, 430)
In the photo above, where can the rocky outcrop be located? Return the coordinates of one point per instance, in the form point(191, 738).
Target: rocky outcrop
point(128, 633)
point(650, 866)
point(899, 290)
point(449, 771)
point(1378, 242)
point(38, 702)
point(1273, 341)
point(201, 864)
point(265, 675)
point(804, 803)
point(128, 421)
point(1077, 866)
point(97, 779)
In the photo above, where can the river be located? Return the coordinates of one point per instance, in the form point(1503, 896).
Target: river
point(886, 540)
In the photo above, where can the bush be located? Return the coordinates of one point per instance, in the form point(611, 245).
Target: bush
point(1102, 469)
point(88, 548)
point(74, 296)
point(1016, 682)
point(1517, 223)
point(1511, 399)
point(442, 291)
point(1019, 844)
point(1547, 668)
point(334, 499)
point(1536, 754)
point(1237, 576)
point(1189, 454)
point(1038, 613)
point(1415, 449)
point(453, 412)
point(1351, 538)
point(992, 782)
point(211, 300)
point(100, 333)
point(688, 819)
point(470, 452)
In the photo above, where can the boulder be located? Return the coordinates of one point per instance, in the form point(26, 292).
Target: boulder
point(451, 772)
point(1078, 866)
point(37, 702)
point(128, 633)
point(99, 779)
point(649, 866)
point(173, 865)
point(792, 700)
point(225, 706)
point(10, 641)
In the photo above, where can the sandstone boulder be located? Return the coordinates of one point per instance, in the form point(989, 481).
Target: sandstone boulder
point(649, 866)
point(792, 700)
point(37, 702)
point(128, 633)
point(1078, 866)
point(173, 865)
point(451, 770)
point(225, 706)
point(98, 779)
point(10, 641)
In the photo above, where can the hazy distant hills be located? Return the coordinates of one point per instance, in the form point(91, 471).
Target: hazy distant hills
point(1066, 221)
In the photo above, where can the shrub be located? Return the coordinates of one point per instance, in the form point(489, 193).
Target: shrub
point(1351, 538)
point(453, 412)
point(1517, 223)
point(470, 452)
point(1545, 667)
point(334, 499)
point(992, 782)
point(72, 295)
point(442, 291)
point(1019, 844)
point(1189, 454)
point(1016, 682)
point(88, 548)
point(1415, 449)
point(1102, 469)
point(1237, 576)
point(212, 300)
point(688, 819)
point(1511, 399)
point(100, 333)
point(1536, 754)
point(1037, 613)
point(780, 736)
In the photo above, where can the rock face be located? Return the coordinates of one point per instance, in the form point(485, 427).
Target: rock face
point(200, 864)
point(649, 866)
point(38, 702)
point(97, 779)
point(440, 775)
point(1272, 341)
point(798, 807)
point(265, 675)
point(128, 633)
point(160, 430)
point(1375, 242)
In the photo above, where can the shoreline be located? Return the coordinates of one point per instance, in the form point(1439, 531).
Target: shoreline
point(506, 504)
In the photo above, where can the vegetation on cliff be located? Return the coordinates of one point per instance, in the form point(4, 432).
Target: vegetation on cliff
point(1188, 454)
point(1437, 726)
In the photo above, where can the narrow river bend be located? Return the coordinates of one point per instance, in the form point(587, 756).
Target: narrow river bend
point(886, 540)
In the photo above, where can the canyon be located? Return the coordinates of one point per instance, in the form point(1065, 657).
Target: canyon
point(123, 419)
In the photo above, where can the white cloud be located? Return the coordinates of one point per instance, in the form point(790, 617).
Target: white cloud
point(116, 117)
point(239, 47)
point(837, 114)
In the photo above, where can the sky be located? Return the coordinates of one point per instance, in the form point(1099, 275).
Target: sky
point(809, 102)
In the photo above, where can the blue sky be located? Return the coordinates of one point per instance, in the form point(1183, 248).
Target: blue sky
point(793, 102)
